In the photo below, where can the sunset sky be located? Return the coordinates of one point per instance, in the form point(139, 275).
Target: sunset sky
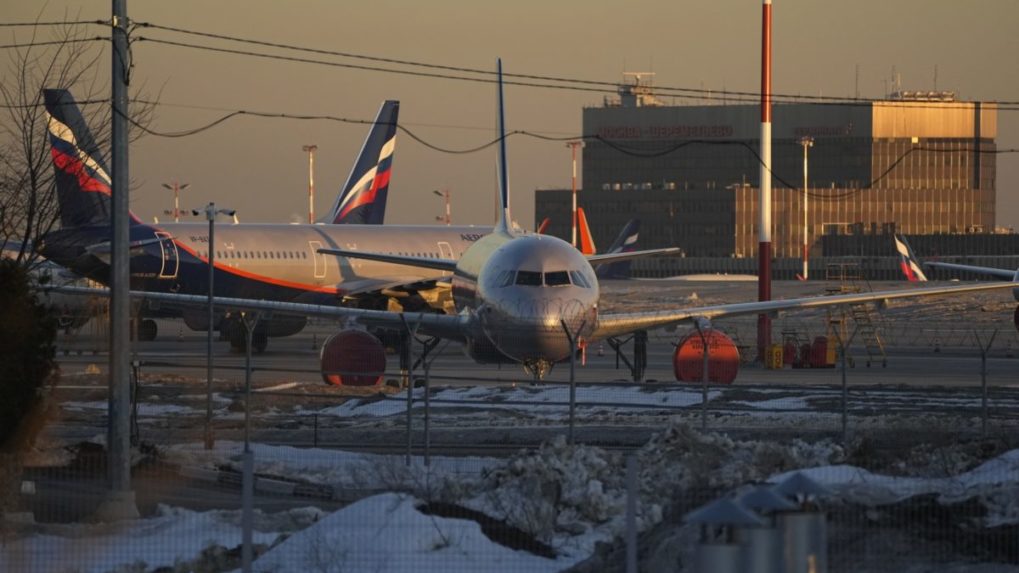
point(257, 166)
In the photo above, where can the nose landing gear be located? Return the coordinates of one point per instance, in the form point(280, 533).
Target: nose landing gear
point(537, 368)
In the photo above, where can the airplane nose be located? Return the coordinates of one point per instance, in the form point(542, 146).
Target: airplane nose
point(532, 329)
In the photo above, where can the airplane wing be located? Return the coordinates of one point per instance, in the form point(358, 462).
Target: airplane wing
point(424, 262)
point(990, 271)
point(364, 286)
point(616, 257)
point(442, 325)
point(624, 323)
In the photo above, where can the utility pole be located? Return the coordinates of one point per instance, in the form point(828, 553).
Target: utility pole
point(573, 145)
point(177, 188)
point(311, 182)
point(449, 213)
point(120, 504)
point(806, 142)
point(764, 219)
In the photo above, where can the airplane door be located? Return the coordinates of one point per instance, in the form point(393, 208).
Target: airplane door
point(446, 250)
point(171, 261)
point(319, 258)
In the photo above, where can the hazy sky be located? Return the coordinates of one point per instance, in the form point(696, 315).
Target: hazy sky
point(257, 166)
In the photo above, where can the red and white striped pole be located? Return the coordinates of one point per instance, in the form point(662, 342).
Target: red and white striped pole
point(764, 220)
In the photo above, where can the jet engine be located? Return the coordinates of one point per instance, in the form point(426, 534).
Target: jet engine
point(198, 319)
point(353, 358)
point(483, 351)
point(723, 357)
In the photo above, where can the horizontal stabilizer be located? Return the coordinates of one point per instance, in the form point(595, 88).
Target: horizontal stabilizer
point(616, 257)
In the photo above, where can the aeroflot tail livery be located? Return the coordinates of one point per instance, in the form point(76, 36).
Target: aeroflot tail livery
point(362, 200)
point(526, 298)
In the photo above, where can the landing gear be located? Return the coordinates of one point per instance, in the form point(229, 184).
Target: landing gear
point(538, 369)
point(639, 364)
point(239, 340)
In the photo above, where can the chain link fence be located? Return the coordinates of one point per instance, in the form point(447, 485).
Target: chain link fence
point(440, 469)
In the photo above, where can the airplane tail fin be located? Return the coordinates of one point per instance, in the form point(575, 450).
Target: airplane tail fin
point(626, 242)
point(504, 223)
point(908, 262)
point(587, 245)
point(362, 200)
point(82, 178)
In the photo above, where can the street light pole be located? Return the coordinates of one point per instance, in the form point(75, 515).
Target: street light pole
point(806, 142)
point(311, 182)
point(177, 188)
point(573, 145)
point(449, 216)
point(210, 214)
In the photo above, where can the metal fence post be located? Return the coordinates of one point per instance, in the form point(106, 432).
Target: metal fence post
point(984, 349)
point(247, 511)
point(428, 404)
point(844, 349)
point(704, 376)
point(573, 378)
point(631, 513)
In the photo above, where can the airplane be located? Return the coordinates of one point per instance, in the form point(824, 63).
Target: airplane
point(908, 262)
point(262, 261)
point(914, 263)
point(626, 241)
point(911, 268)
point(528, 298)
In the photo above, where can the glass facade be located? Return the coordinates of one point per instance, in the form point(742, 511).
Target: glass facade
point(690, 174)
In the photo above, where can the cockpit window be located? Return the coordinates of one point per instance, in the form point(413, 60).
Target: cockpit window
point(505, 279)
point(528, 278)
point(557, 278)
point(579, 280)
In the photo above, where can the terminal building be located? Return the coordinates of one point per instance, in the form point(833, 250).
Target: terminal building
point(914, 163)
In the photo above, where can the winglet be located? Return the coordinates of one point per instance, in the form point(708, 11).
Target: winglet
point(504, 213)
point(908, 262)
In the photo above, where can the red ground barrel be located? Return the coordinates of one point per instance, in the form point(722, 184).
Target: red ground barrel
point(353, 358)
point(819, 355)
point(723, 358)
point(789, 352)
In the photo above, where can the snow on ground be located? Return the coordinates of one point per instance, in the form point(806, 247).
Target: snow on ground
point(336, 468)
point(172, 536)
point(993, 481)
point(529, 400)
point(565, 498)
point(144, 408)
point(387, 533)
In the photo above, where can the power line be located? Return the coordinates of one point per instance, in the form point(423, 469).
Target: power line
point(51, 43)
point(53, 23)
point(592, 85)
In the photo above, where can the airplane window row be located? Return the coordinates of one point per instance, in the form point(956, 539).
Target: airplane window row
point(533, 278)
point(231, 254)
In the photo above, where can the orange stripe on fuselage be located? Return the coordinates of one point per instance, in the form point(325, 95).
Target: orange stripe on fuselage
point(257, 277)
